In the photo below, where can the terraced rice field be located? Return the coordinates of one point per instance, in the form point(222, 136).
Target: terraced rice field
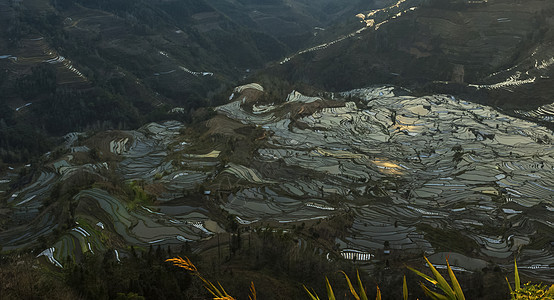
point(35, 50)
point(407, 165)
point(27, 234)
point(409, 169)
point(99, 212)
point(545, 113)
point(142, 155)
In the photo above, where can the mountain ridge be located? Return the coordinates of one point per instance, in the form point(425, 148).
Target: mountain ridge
point(92, 65)
point(487, 49)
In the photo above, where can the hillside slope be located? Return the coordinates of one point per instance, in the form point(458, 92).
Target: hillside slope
point(501, 49)
point(80, 65)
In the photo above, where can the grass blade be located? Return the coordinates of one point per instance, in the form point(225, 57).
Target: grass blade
point(311, 295)
point(455, 283)
point(184, 263)
point(550, 291)
point(252, 295)
point(216, 292)
point(363, 294)
point(352, 290)
point(211, 288)
point(405, 288)
point(428, 278)
point(510, 287)
point(223, 290)
point(330, 293)
point(431, 294)
point(518, 282)
point(442, 284)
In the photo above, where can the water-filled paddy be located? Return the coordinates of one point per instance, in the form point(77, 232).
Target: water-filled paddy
point(440, 161)
point(407, 168)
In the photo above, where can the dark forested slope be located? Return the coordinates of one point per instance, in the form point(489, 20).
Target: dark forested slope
point(79, 65)
point(500, 50)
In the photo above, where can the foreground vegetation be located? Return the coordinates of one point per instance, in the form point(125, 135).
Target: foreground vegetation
point(271, 260)
point(451, 291)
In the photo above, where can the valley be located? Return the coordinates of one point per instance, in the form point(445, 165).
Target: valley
point(488, 51)
point(405, 169)
point(274, 141)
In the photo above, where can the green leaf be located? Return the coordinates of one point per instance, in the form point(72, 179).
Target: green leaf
point(455, 283)
point(518, 282)
point(550, 291)
point(363, 294)
point(352, 290)
point(442, 284)
point(428, 278)
point(510, 287)
point(330, 293)
point(431, 294)
point(311, 295)
point(405, 288)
